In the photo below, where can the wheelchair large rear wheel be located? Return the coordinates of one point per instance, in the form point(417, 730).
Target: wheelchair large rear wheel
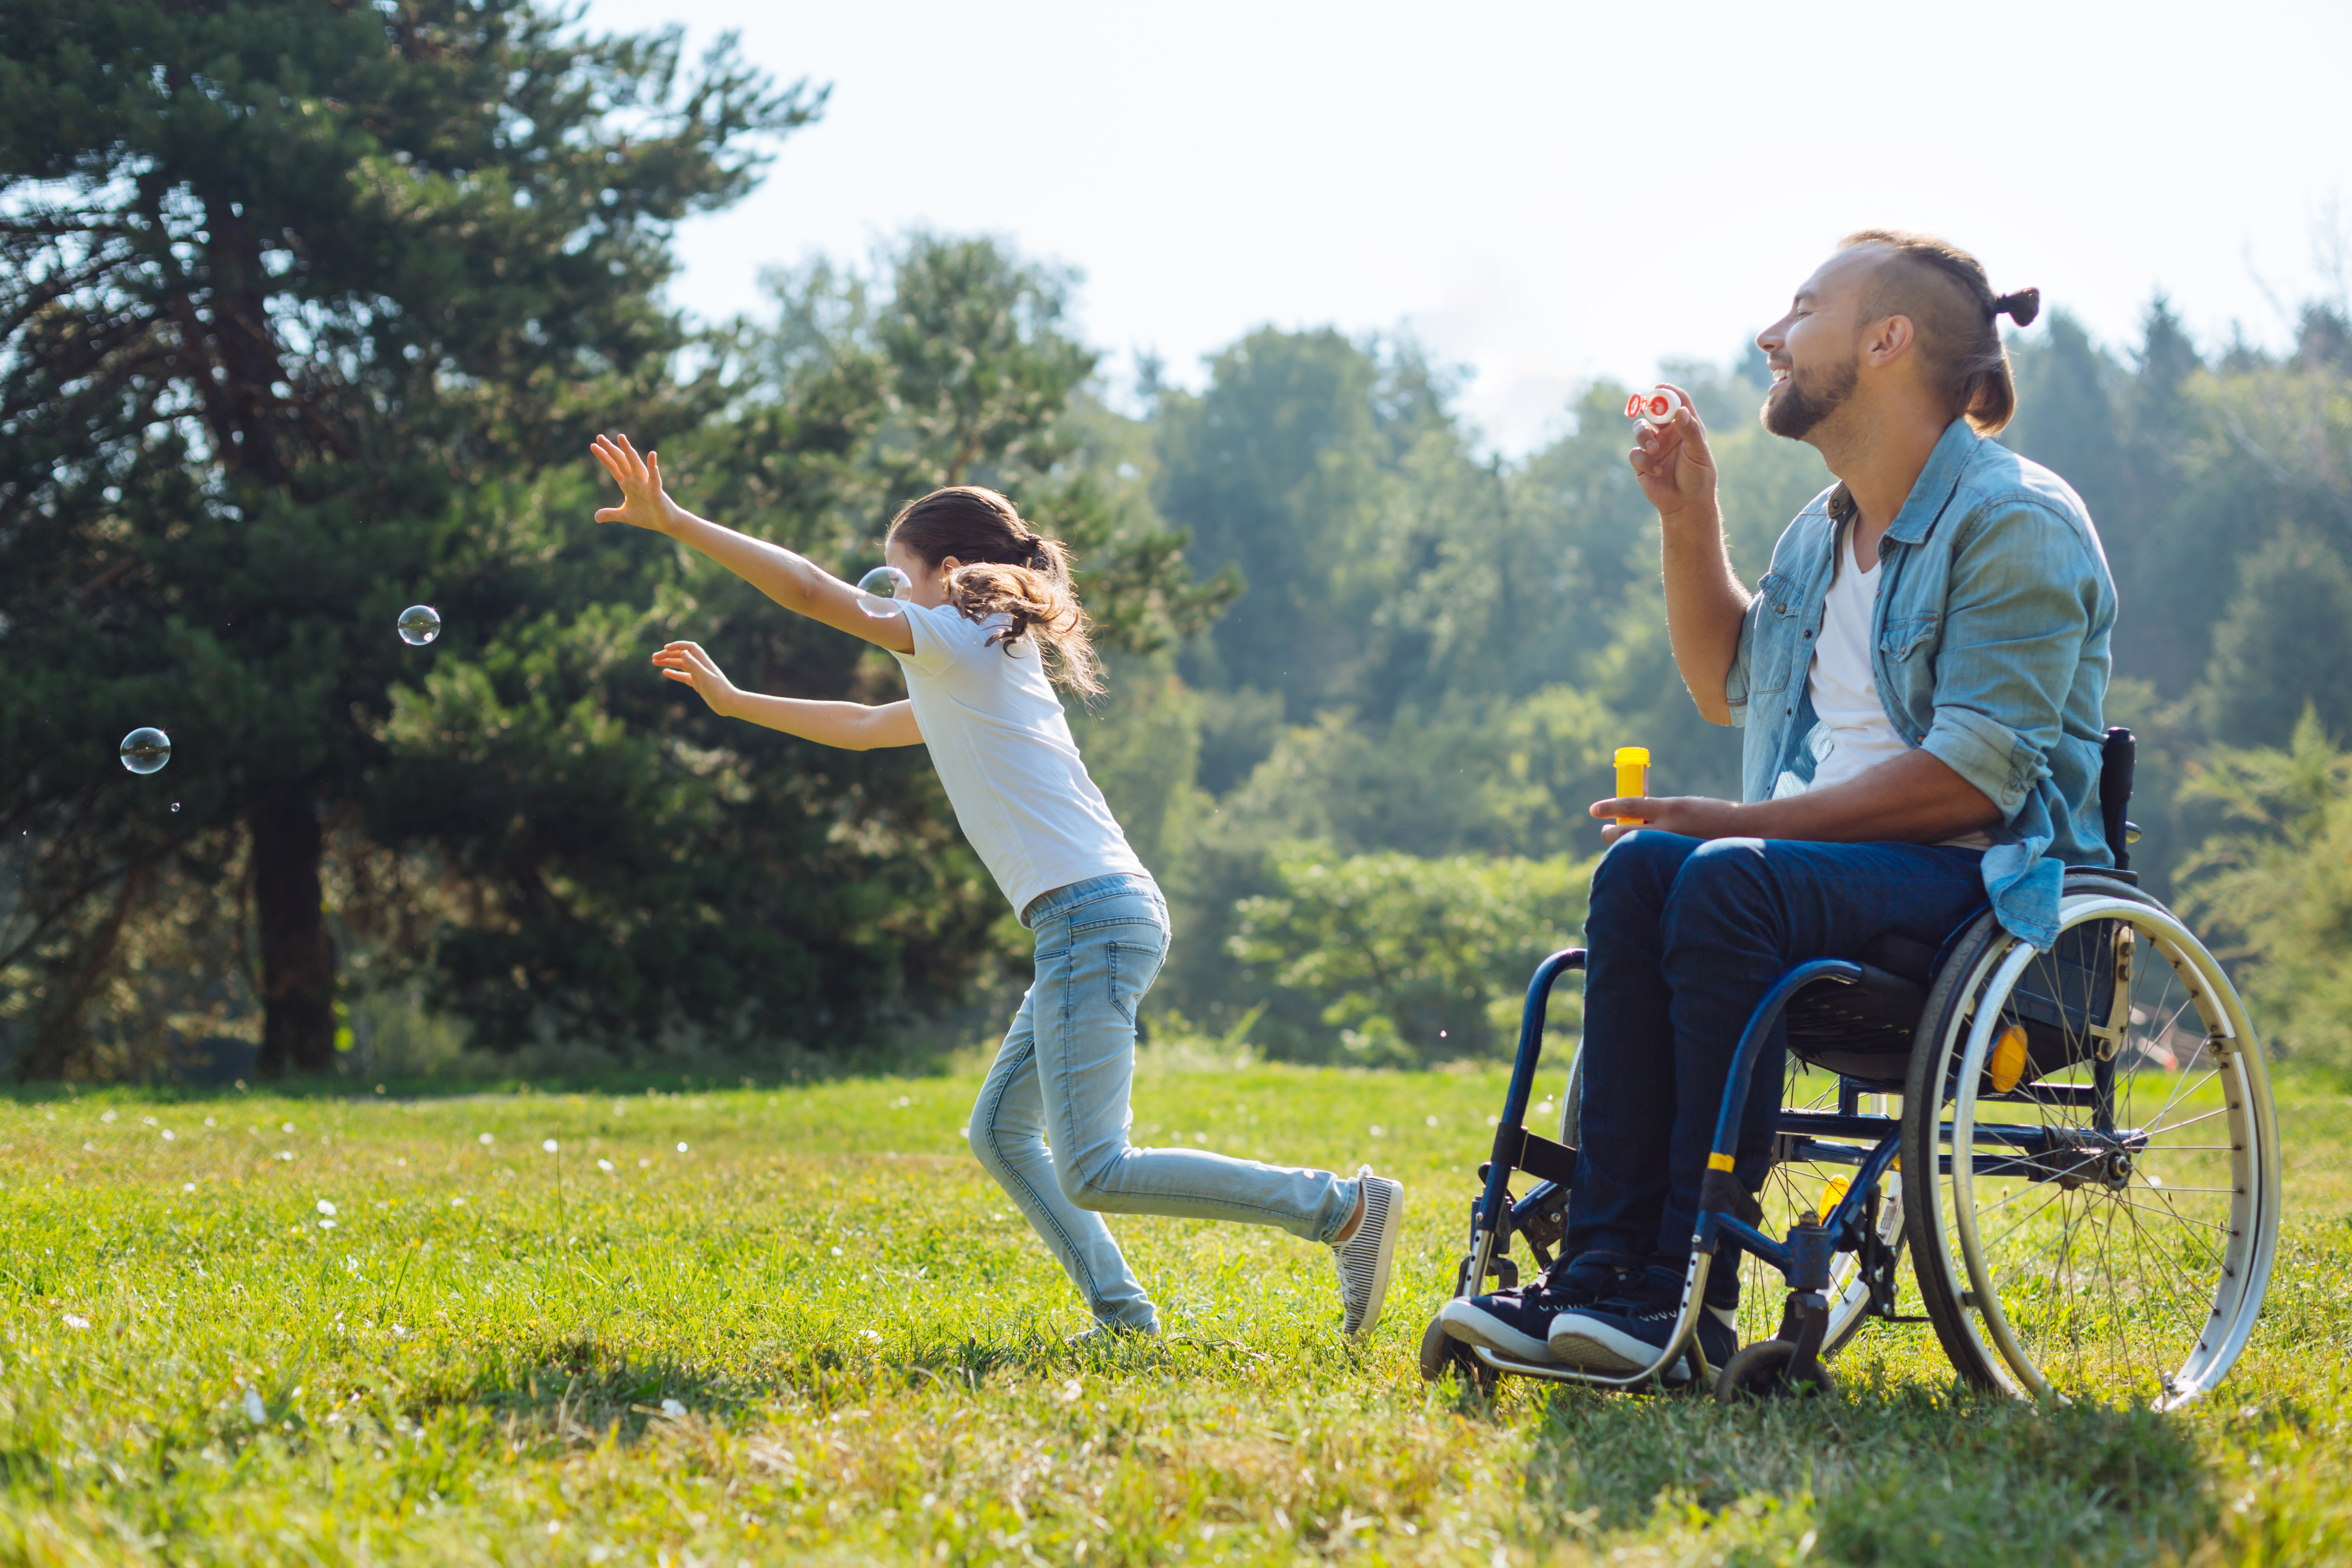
point(2090, 1158)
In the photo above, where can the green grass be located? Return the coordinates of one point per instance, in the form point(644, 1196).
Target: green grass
point(867, 1348)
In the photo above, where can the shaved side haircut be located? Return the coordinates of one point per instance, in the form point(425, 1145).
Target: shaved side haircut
point(1943, 291)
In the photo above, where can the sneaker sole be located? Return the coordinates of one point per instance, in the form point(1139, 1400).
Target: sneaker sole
point(1383, 1201)
point(1596, 1347)
point(1465, 1322)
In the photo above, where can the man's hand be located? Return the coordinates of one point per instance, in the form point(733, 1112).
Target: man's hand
point(1691, 815)
point(644, 503)
point(685, 662)
point(1676, 469)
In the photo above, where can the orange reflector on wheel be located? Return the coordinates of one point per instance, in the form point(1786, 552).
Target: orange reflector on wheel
point(1832, 1195)
point(2008, 1063)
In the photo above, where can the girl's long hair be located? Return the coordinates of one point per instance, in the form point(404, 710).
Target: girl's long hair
point(1007, 568)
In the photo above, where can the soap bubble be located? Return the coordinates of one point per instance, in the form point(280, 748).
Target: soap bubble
point(880, 591)
point(146, 751)
point(419, 625)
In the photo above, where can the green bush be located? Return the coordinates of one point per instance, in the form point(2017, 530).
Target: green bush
point(2284, 889)
point(1412, 960)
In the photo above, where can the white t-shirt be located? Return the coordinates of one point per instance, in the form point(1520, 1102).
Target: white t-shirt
point(1854, 733)
point(1002, 746)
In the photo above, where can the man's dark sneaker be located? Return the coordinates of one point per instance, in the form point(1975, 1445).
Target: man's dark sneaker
point(1515, 1323)
point(1624, 1335)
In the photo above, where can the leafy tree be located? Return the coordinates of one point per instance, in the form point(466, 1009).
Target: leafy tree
point(2281, 880)
point(2285, 648)
point(286, 286)
point(643, 869)
point(1412, 961)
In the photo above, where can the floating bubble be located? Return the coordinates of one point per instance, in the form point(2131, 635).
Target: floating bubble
point(175, 805)
point(146, 751)
point(880, 591)
point(419, 625)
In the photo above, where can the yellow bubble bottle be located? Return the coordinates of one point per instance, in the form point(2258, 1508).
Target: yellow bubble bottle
point(1632, 778)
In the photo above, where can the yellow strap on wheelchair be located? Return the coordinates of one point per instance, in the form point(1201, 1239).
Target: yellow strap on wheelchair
point(1718, 1162)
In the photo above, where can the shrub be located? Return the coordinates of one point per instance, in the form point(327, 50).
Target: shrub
point(1412, 960)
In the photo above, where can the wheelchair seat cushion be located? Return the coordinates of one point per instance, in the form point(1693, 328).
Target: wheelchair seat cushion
point(1900, 955)
point(1862, 1031)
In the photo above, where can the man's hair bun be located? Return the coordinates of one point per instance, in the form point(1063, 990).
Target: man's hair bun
point(2020, 307)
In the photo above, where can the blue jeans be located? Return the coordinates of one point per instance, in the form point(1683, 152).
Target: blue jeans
point(1064, 1073)
point(1683, 937)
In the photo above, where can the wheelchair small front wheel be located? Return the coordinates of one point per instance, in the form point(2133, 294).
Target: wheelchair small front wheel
point(1765, 1370)
point(1441, 1354)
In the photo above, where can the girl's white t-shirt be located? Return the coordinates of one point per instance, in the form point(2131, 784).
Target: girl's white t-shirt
point(1002, 746)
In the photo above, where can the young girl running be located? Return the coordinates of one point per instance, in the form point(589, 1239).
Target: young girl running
point(990, 618)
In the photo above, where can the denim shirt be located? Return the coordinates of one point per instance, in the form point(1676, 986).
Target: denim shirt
point(1990, 648)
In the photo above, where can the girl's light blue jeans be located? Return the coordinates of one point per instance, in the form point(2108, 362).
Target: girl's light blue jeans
point(1062, 1076)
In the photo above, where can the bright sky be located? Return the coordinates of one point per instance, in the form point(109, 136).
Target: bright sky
point(1546, 194)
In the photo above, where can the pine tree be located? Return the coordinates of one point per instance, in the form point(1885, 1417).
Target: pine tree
point(288, 287)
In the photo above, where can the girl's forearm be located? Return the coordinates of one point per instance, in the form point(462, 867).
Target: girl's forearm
point(852, 726)
point(785, 577)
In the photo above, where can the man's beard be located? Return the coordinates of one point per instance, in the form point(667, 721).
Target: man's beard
point(1795, 412)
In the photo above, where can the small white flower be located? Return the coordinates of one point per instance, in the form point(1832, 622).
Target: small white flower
point(486, 1139)
point(457, 1203)
point(904, 1100)
point(169, 1135)
point(681, 1147)
point(836, 1252)
point(604, 1164)
point(326, 1224)
point(187, 1186)
point(255, 1411)
point(643, 1163)
point(210, 1122)
point(106, 1116)
point(73, 1320)
point(283, 1155)
point(285, 1127)
point(146, 1121)
point(672, 1408)
point(869, 1334)
point(964, 1132)
point(1379, 1130)
point(1429, 1120)
point(325, 1207)
point(550, 1145)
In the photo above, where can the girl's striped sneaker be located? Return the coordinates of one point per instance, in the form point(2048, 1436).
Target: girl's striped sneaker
point(1364, 1257)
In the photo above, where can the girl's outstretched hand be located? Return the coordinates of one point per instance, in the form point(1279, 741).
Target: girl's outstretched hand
point(644, 504)
point(685, 661)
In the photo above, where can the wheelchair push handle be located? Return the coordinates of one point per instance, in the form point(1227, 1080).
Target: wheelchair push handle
point(2118, 758)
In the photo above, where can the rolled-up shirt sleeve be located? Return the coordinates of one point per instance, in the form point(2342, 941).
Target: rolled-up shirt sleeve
point(2023, 590)
point(1734, 679)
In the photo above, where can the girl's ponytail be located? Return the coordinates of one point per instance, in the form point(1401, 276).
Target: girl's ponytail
point(1006, 569)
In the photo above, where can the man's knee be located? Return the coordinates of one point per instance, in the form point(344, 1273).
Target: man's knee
point(1637, 872)
point(1722, 874)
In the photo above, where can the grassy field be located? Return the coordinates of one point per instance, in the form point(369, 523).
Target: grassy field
point(765, 1325)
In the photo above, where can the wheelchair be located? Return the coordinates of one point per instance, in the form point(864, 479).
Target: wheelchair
point(2077, 1148)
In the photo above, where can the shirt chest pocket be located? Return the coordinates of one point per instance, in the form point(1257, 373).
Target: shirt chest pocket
point(1780, 635)
point(1908, 637)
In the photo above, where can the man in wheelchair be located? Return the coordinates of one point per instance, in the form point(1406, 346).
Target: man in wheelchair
point(1919, 677)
